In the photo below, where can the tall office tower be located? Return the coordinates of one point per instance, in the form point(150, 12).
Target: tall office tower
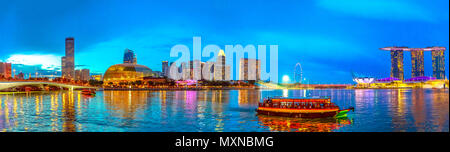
point(186, 70)
point(85, 75)
point(417, 63)
point(397, 64)
point(5, 70)
point(165, 68)
point(249, 69)
point(219, 67)
point(63, 67)
point(438, 60)
point(68, 61)
point(208, 70)
point(196, 70)
point(77, 75)
point(129, 57)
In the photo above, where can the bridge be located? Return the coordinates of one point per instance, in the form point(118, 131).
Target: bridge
point(14, 84)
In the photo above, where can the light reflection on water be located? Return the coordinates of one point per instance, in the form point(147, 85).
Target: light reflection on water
point(220, 110)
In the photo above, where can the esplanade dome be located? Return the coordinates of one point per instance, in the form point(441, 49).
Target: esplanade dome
point(126, 72)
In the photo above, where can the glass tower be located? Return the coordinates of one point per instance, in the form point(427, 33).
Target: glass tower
point(417, 63)
point(438, 60)
point(397, 64)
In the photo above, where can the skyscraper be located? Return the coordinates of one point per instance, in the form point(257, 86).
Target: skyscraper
point(5, 70)
point(417, 63)
point(165, 68)
point(438, 60)
point(68, 61)
point(220, 67)
point(397, 64)
point(129, 57)
point(249, 69)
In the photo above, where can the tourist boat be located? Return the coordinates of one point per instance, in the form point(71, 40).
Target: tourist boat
point(306, 107)
point(88, 92)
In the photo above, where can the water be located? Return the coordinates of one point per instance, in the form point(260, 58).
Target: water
point(398, 110)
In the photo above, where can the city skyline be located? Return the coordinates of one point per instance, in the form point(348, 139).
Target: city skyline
point(322, 48)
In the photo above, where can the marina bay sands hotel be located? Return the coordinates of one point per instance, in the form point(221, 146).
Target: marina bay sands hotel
point(438, 61)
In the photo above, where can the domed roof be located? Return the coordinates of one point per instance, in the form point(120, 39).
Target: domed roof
point(127, 72)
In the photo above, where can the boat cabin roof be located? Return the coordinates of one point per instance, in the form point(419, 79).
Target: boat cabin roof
point(300, 99)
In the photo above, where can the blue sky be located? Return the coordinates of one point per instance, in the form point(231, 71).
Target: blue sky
point(330, 38)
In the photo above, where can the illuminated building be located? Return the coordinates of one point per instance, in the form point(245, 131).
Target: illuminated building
point(129, 57)
point(249, 69)
point(397, 64)
point(208, 71)
point(438, 60)
point(165, 68)
point(5, 70)
point(417, 63)
point(221, 70)
point(97, 77)
point(192, 70)
point(82, 75)
point(127, 72)
point(67, 62)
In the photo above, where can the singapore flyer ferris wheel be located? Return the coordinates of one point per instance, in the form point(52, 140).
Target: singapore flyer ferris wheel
point(298, 73)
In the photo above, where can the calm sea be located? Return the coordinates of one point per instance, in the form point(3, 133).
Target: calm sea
point(393, 110)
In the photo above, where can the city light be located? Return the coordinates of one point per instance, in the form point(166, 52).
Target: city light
point(285, 79)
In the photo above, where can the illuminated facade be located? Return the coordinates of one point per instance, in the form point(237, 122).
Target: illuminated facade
point(417, 63)
point(5, 70)
point(249, 69)
point(68, 61)
point(82, 75)
point(221, 70)
point(97, 77)
point(127, 72)
point(397, 64)
point(165, 68)
point(438, 60)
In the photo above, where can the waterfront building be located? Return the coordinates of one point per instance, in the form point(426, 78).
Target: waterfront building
point(221, 70)
point(5, 70)
point(438, 61)
point(208, 70)
point(97, 77)
point(67, 62)
point(397, 64)
point(85, 74)
point(82, 75)
point(165, 68)
point(127, 72)
point(249, 69)
point(129, 57)
point(417, 63)
point(77, 75)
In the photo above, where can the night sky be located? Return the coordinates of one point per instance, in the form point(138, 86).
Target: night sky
point(330, 38)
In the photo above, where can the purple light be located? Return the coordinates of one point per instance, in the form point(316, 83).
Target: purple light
point(420, 79)
point(390, 79)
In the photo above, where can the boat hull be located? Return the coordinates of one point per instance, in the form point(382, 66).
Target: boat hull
point(298, 113)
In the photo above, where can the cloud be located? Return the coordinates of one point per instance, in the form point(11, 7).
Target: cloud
point(46, 62)
point(378, 9)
